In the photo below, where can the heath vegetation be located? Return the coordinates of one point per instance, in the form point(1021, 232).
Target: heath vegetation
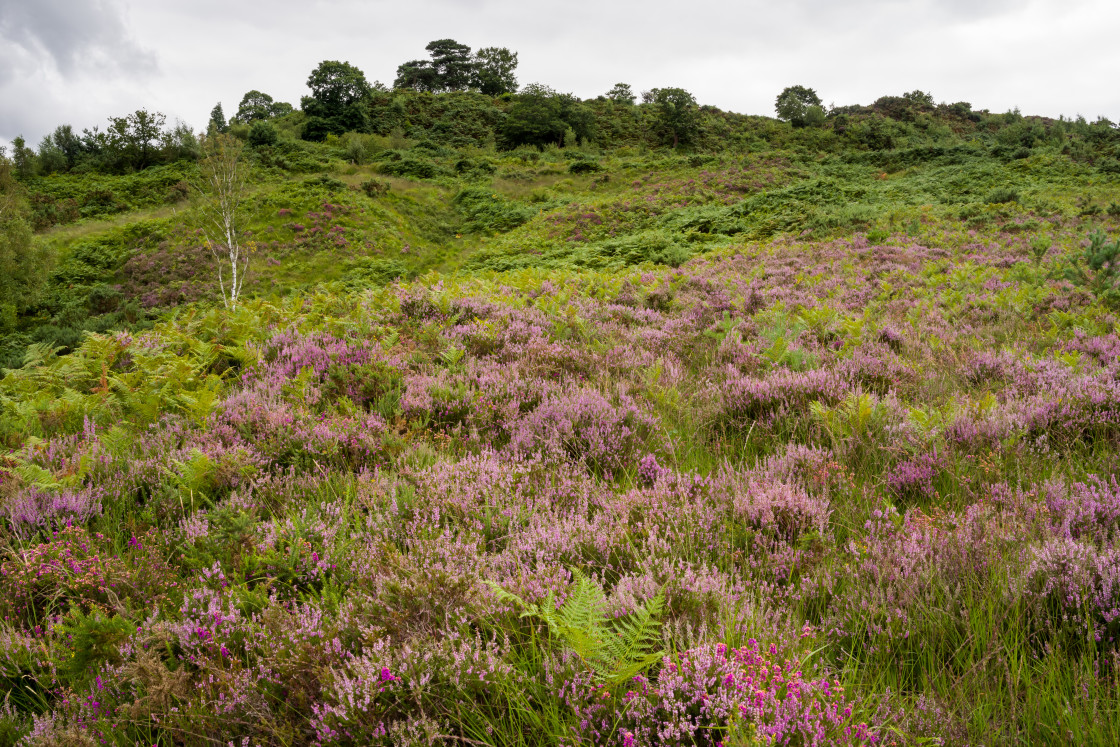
point(537, 420)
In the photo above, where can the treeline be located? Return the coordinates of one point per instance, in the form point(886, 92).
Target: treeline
point(462, 98)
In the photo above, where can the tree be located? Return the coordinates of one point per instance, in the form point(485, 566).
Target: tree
point(135, 140)
point(339, 100)
point(621, 94)
point(224, 174)
point(23, 159)
point(419, 75)
point(493, 71)
point(257, 106)
point(69, 144)
point(181, 144)
point(795, 103)
point(540, 116)
point(534, 118)
point(217, 120)
point(51, 158)
point(678, 120)
point(452, 63)
point(23, 266)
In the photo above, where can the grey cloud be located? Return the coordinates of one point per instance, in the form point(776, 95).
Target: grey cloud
point(75, 36)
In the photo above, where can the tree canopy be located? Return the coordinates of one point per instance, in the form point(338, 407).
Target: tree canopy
point(452, 67)
point(678, 120)
point(338, 102)
point(540, 116)
point(257, 105)
point(798, 105)
point(494, 71)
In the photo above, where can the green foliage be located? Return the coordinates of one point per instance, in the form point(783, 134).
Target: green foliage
point(375, 188)
point(584, 167)
point(1097, 269)
point(678, 120)
point(134, 140)
point(615, 649)
point(798, 105)
point(487, 211)
point(621, 93)
point(257, 106)
point(1002, 195)
point(92, 640)
point(263, 134)
point(339, 100)
point(493, 72)
point(24, 266)
point(540, 116)
point(217, 123)
point(411, 166)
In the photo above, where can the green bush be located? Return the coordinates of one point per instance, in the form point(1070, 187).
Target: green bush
point(1098, 269)
point(1001, 195)
point(584, 167)
point(413, 168)
point(488, 211)
point(263, 133)
point(375, 188)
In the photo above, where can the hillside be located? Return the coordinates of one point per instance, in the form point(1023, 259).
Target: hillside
point(756, 432)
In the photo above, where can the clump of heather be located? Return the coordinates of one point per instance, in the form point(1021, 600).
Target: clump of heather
point(913, 479)
point(718, 695)
point(586, 426)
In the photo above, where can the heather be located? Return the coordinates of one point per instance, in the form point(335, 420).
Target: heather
point(795, 437)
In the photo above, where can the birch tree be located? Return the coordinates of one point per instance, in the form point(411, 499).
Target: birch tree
point(224, 181)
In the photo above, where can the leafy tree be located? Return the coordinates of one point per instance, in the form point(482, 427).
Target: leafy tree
point(23, 159)
point(678, 120)
point(579, 119)
point(540, 116)
point(181, 144)
point(51, 159)
point(621, 94)
point(339, 100)
point(256, 106)
point(534, 118)
point(419, 75)
point(493, 71)
point(68, 144)
point(452, 68)
point(217, 120)
point(794, 103)
point(453, 64)
point(224, 185)
point(23, 266)
point(134, 140)
point(921, 98)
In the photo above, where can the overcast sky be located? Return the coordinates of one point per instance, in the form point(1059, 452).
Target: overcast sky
point(80, 61)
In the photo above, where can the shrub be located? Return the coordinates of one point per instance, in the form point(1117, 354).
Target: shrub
point(1097, 269)
point(584, 167)
point(1001, 195)
point(375, 188)
point(412, 167)
point(263, 133)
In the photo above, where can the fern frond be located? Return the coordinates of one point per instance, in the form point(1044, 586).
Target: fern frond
point(634, 641)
